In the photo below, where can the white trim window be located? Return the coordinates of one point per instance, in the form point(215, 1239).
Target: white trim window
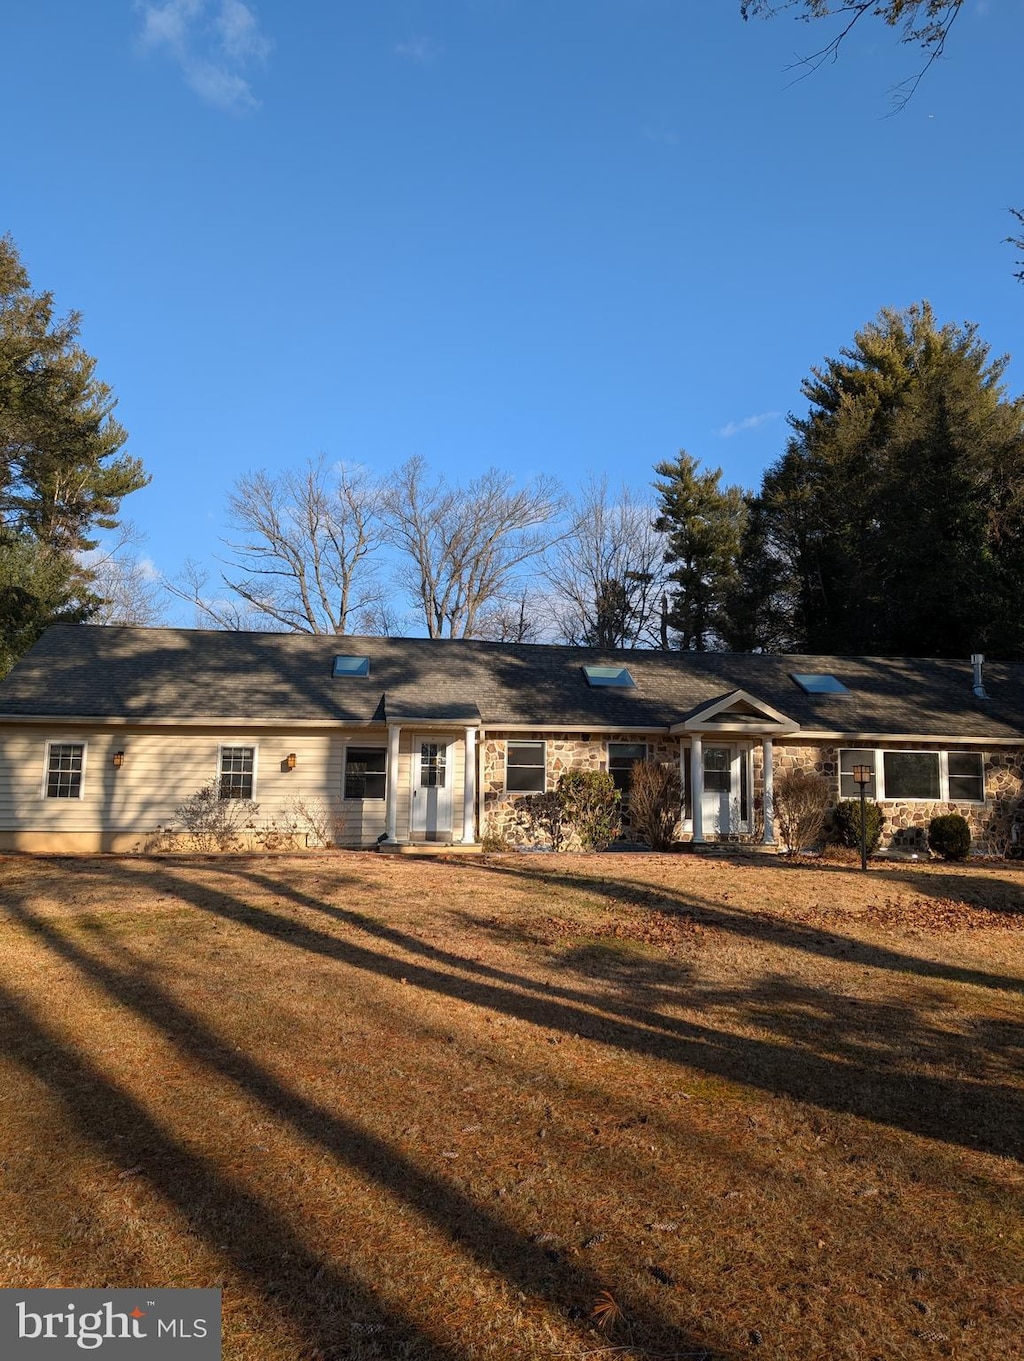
point(915, 776)
point(365, 772)
point(65, 770)
point(525, 767)
point(236, 773)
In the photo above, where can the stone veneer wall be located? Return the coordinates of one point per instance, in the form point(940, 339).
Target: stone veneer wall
point(902, 819)
point(563, 751)
point(990, 823)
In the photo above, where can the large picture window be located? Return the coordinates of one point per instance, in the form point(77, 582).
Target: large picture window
point(237, 769)
point(65, 764)
point(365, 772)
point(524, 768)
point(929, 776)
point(911, 774)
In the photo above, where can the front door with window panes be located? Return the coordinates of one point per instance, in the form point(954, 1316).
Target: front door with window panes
point(717, 799)
point(431, 816)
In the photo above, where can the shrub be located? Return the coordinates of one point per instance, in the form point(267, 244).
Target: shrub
point(800, 802)
point(539, 817)
point(212, 823)
point(590, 805)
point(949, 835)
point(845, 830)
point(655, 795)
point(320, 822)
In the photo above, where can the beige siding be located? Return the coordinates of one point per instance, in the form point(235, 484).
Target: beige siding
point(124, 809)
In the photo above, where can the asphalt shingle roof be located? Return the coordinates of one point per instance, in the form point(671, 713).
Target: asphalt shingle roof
point(135, 673)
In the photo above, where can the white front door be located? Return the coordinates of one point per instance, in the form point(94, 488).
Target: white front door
point(725, 804)
point(716, 807)
point(431, 816)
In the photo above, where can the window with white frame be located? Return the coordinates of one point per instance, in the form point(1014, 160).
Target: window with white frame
point(622, 757)
point(928, 776)
point(237, 772)
point(365, 772)
point(65, 767)
point(525, 768)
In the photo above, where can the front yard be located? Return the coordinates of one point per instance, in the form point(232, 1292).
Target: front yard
point(532, 1106)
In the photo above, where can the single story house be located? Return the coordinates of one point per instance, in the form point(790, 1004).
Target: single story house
point(105, 731)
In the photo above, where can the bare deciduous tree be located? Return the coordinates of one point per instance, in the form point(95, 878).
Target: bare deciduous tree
point(519, 619)
point(129, 589)
point(302, 563)
point(463, 546)
point(608, 572)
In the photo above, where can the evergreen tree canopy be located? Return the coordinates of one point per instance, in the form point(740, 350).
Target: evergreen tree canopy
point(704, 524)
point(893, 520)
point(61, 473)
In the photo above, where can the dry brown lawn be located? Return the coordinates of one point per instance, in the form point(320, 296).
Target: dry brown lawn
point(614, 1106)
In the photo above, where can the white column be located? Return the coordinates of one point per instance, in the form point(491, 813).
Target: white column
point(391, 811)
point(697, 785)
point(684, 780)
point(767, 789)
point(469, 786)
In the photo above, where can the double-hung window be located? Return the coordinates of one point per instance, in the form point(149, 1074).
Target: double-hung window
point(622, 757)
point(927, 776)
point(524, 768)
point(65, 767)
point(365, 772)
point(237, 772)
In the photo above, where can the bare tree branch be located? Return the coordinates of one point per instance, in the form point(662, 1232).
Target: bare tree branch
point(192, 585)
point(302, 563)
point(130, 591)
point(463, 546)
point(608, 573)
point(924, 23)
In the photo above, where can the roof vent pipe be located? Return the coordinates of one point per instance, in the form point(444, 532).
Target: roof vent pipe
point(978, 661)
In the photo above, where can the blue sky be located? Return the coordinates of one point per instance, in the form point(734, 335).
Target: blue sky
point(563, 237)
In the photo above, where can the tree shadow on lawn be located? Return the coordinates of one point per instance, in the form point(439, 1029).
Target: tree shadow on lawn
point(1001, 890)
point(953, 1110)
point(825, 942)
point(101, 1112)
point(304, 1289)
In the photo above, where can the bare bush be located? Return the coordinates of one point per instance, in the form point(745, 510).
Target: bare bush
point(212, 823)
point(538, 819)
point(655, 801)
point(800, 804)
point(322, 823)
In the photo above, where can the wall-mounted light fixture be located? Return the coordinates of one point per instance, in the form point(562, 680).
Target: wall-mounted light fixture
point(118, 759)
point(289, 760)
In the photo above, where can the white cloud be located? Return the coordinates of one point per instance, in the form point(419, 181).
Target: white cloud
point(217, 86)
point(419, 49)
point(747, 423)
point(240, 33)
point(212, 41)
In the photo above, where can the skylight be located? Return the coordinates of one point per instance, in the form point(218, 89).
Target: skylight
point(613, 677)
point(351, 666)
point(819, 683)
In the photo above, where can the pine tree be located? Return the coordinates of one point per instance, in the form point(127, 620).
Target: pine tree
point(893, 520)
point(704, 524)
point(62, 475)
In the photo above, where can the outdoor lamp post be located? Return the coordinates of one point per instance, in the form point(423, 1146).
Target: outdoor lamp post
point(862, 776)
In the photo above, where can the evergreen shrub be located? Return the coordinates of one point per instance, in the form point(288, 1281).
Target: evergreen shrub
point(845, 830)
point(949, 835)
